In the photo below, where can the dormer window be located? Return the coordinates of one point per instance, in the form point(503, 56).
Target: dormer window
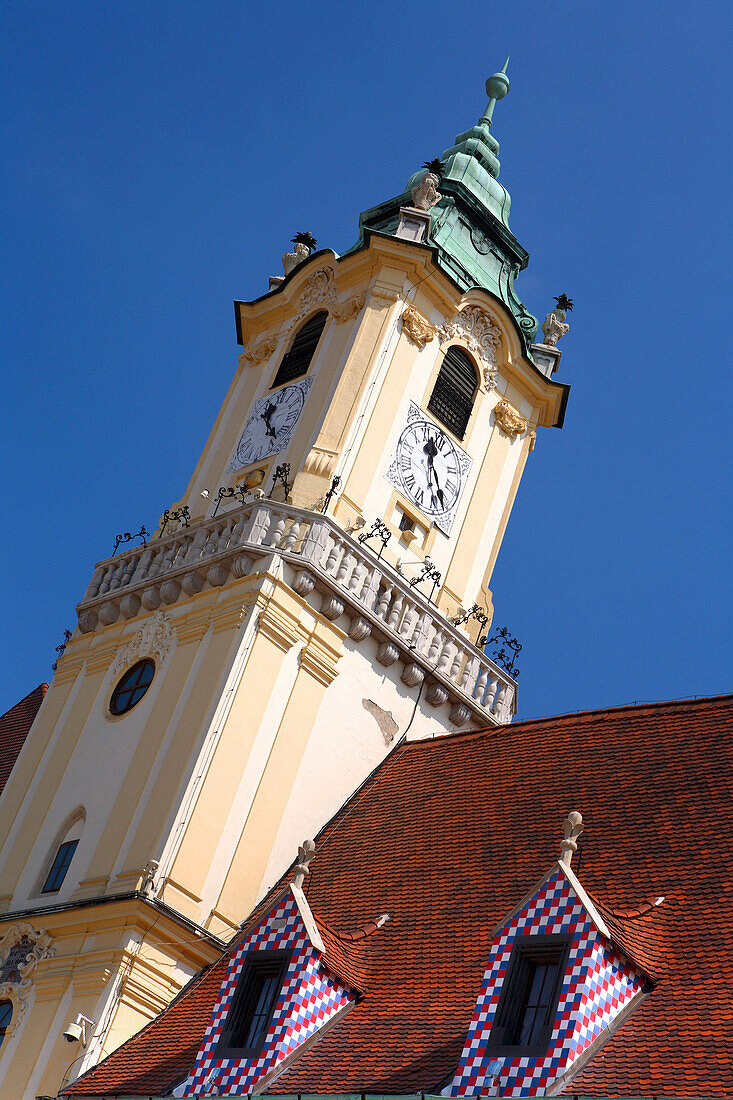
point(527, 1007)
point(253, 1004)
point(297, 359)
point(455, 388)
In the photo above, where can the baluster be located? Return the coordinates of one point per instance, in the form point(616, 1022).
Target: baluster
point(94, 584)
point(420, 633)
point(469, 673)
point(445, 655)
point(491, 693)
point(395, 613)
point(370, 588)
point(143, 565)
point(292, 535)
point(332, 557)
point(434, 648)
point(278, 531)
point(501, 702)
point(238, 531)
point(224, 536)
point(478, 691)
point(355, 577)
point(383, 605)
point(408, 619)
point(347, 561)
point(454, 668)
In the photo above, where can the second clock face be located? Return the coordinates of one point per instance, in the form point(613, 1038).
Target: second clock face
point(429, 468)
point(271, 424)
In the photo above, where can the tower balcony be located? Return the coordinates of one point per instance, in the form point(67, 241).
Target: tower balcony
point(326, 566)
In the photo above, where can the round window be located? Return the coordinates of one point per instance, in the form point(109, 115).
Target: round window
point(132, 687)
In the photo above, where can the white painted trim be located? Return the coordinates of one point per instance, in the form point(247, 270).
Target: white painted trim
point(307, 917)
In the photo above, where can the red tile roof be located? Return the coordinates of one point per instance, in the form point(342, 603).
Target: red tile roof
point(14, 727)
point(448, 835)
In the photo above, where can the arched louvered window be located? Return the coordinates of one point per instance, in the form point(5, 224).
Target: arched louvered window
point(296, 361)
point(454, 390)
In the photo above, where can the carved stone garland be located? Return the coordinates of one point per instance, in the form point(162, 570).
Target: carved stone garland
point(21, 950)
point(320, 289)
point(153, 639)
point(477, 327)
point(416, 327)
point(262, 351)
point(508, 419)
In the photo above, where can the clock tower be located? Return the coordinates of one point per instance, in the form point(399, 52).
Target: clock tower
point(318, 592)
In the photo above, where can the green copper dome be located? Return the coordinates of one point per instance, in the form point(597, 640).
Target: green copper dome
point(470, 225)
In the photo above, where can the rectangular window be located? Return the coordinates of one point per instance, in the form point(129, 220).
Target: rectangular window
point(253, 1004)
point(59, 867)
point(529, 996)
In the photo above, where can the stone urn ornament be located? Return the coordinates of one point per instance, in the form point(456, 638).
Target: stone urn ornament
point(554, 326)
point(305, 246)
point(426, 194)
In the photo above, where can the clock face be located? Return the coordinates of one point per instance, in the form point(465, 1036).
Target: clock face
point(271, 424)
point(429, 468)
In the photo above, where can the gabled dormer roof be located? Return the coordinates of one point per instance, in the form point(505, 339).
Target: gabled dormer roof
point(445, 836)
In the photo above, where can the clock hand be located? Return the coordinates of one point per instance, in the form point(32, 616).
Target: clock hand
point(266, 417)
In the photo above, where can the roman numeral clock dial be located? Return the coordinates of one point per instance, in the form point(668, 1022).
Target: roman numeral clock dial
point(429, 468)
point(271, 424)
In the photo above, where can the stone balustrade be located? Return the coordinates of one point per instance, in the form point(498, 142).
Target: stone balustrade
point(347, 576)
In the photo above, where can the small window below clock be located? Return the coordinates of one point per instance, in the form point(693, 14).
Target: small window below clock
point(297, 359)
point(131, 688)
point(453, 393)
point(525, 1015)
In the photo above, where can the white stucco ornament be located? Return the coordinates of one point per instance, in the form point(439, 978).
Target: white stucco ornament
point(320, 289)
point(554, 325)
point(154, 639)
point(21, 949)
point(477, 327)
point(292, 259)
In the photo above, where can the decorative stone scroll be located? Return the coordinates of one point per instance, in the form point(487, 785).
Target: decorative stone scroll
point(508, 419)
point(21, 949)
point(414, 325)
point(262, 351)
point(153, 639)
point(478, 328)
point(348, 310)
point(320, 289)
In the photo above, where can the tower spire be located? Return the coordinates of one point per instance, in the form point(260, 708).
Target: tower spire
point(497, 87)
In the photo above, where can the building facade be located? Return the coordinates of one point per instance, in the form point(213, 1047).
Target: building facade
point(319, 591)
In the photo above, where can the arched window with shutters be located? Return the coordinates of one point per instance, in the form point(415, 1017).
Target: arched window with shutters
point(297, 359)
point(453, 393)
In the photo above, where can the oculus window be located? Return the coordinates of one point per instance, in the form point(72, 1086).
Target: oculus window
point(529, 997)
point(131, 688)
point(296, 361)
point(455, 388)
point(253, 1004)
point(59, 867)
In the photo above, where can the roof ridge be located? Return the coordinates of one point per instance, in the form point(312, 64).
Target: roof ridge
point(510, 727)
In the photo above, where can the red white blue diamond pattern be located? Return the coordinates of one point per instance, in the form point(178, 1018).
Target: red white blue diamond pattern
point(307, 1000)
point(597, 985)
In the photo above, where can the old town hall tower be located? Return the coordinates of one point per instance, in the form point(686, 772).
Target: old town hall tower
point(316, 593)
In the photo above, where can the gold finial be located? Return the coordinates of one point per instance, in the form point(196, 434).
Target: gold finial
point(572, 827)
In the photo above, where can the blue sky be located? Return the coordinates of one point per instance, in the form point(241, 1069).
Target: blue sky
point(158, 157)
